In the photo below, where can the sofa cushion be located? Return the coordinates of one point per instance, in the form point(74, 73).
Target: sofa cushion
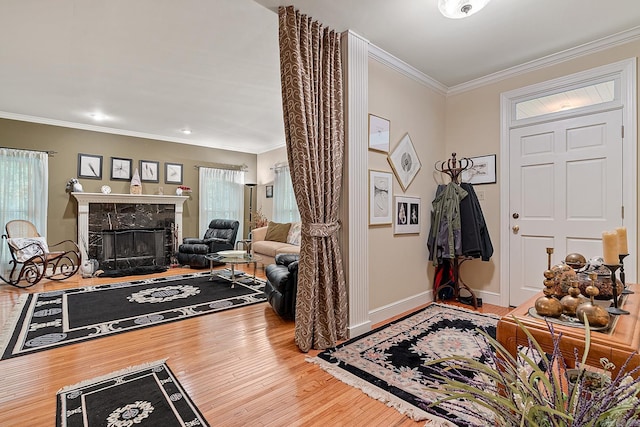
point(293, 237)
point(267, 247)
point(277, 232)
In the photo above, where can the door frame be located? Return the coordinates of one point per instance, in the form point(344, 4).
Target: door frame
point(622, 71)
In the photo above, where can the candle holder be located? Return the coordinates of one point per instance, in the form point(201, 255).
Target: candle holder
point(625, 290)
point(614, 287)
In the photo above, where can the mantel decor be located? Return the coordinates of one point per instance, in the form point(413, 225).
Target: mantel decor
point(89, 166)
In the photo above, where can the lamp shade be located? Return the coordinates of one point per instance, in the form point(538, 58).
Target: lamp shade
point(456, 9)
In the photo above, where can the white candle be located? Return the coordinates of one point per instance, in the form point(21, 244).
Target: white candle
point(622, 240)
point(610, 247)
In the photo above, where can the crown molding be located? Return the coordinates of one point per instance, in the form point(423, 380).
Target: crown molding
point(608, 42)
point(402, 67)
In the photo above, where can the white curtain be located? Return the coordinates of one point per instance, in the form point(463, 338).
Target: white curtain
point(221, 197)
point(285, 207)
point(24, 178)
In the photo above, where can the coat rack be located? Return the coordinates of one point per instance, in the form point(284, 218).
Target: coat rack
point(454, 168)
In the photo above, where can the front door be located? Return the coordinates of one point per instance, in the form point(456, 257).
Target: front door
point(565, 190)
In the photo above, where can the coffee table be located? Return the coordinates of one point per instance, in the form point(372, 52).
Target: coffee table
point(616, 344)
point(231, 262)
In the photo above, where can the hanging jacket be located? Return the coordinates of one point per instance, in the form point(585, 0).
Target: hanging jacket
point(445, 239)
point(476, 242)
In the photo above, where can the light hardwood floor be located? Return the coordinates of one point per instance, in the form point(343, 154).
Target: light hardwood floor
point(241, 367)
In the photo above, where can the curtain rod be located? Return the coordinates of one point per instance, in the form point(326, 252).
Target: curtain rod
point(241, 168)
point(49, 152)
point(279, 166)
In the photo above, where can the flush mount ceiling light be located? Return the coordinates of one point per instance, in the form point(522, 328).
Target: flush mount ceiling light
point(456, 9)
point(186, 131)
point(98, 117)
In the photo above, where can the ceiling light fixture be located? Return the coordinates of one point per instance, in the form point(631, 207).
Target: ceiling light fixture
point(186, 131)
point(98, 117)
point(456, 9)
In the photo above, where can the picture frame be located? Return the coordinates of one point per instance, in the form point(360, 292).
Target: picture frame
point(407, 212)
point(379, 128)
point(405, 162)
point(121, 169)
point(149, 171)
point(173, 173)
point(482, 171)
point(380, 197)
point(89, 166)
point(268, 191)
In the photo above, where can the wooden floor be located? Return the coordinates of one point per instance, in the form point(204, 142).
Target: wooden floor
point(240, 367)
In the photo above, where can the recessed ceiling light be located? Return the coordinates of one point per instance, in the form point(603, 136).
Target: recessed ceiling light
point(98, 116)
point(186, 131)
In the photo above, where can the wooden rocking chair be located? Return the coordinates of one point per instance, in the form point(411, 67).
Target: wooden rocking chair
point(33, 258)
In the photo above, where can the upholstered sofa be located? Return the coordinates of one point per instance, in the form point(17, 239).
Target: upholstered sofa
point(276, 238)
point(282, 285)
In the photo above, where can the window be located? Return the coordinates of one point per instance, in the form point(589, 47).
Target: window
point(24, 191)
point(285, 207)
point(221, 196)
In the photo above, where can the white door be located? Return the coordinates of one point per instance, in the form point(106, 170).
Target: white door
point(565, 190)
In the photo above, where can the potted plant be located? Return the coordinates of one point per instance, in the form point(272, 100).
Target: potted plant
point(537, 389)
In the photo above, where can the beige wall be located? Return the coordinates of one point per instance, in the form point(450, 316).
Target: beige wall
point(69, 142)
point(398, 265)
point(473, 128)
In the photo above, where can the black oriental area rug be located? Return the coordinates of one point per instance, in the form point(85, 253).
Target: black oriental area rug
point(146, 395)
point(388, 363)
point(52, 319)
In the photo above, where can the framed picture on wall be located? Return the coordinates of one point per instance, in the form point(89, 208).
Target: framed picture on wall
point(483, 170)
point(173, 173)
point(120, 169)
point(149, 171)
point(269, 191)
point(89, 166)
point(404, 162)
point(407, 215)
point(379, 133)
point(380, 197)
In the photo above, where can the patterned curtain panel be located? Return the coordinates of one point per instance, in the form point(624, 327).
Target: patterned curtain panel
point(221, 197)
point(24, 192)
point(311, 74)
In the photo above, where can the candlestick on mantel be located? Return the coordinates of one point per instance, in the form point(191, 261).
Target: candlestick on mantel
point(622, 240)
point(610, 247)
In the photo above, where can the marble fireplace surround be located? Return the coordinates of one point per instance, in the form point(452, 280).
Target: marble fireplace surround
point(122, 201)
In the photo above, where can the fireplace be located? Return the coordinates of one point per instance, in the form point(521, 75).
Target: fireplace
point(135, 247)
point(133, 229)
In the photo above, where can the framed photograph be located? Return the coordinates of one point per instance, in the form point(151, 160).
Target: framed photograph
point(269, 191)
point(407, 215)
point(120, 169)
point(378, 133)
point(173, 173)
point(149, 171)
point(380, 197)
point(483, 170)
point(89, 166)
point(404, 162)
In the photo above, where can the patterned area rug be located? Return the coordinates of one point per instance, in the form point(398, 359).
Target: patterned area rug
point(388, 363)
point(146, 395)
point(51, 319)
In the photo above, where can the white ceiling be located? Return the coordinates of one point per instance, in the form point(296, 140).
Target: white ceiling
point(155, 67)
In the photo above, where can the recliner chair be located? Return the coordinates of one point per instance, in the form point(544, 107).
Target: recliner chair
point(282, 284)
point(220, 236)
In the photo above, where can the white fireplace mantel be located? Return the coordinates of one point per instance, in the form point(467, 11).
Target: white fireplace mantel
point(84, 199)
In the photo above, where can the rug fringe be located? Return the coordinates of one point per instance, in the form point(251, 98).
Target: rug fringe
point(111, 375)
point(377, 393)
point(12, 323)
point(468, 310)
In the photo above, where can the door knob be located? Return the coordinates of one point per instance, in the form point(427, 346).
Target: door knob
point(515, 229)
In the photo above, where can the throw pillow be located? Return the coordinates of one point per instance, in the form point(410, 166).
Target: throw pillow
point(277, 232)
point(293, 238)
point(27, 247)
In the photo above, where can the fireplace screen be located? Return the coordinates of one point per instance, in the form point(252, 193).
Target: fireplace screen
point(132, 248)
